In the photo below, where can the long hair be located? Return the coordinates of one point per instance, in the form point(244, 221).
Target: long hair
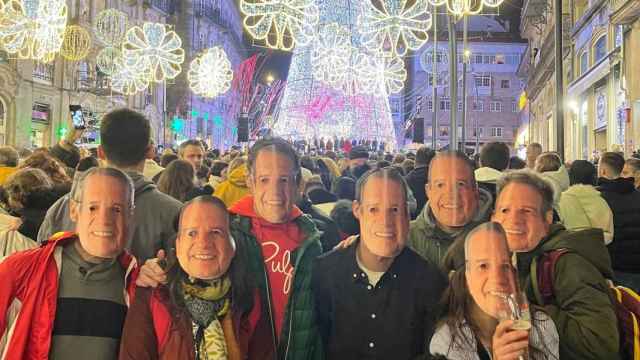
point(177, 180)
point(457, 305)
point(241, 285)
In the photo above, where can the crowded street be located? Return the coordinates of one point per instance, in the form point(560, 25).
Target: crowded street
point(319, 179)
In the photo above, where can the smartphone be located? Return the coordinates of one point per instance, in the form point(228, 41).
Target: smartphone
point(77, 117)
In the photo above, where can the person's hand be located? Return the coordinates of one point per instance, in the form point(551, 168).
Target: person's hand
point(346, 242)
point(152, 274)
point(509, 344)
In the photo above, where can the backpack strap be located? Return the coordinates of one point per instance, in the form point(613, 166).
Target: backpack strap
point(543, 275)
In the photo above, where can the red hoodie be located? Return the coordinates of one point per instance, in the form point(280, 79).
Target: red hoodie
point(278, 241)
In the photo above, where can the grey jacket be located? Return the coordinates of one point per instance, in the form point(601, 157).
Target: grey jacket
point(153, 219)
point(431, 242)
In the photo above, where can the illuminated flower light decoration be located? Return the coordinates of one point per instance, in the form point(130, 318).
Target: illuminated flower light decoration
point(210, 74)
point(76, 43)
point(466, 7)
point(130, 77)
point(394, 26)
point(361, 76)
point(280, 23)
point(393, 74)
point(107, 60)
point(33, 29)
point(111, 27)
point(155, 48)
point(330, 55)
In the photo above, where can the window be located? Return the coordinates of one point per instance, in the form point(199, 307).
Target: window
point(40, 112)
point(600, 49)
point(444, 131)
point(514, 107)
point(495, 106)
point(479, 132)
point(430, 105)
point(489, 59)
point(476, 59)
point(478, 106)
point(505, 84)
point(513, 59)
point(445, 105)
point(496, 131)
point(584, 62)
point(43, 72)
point(459, 106)
point(483, 81)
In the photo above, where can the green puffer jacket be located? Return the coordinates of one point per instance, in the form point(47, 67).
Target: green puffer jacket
point(581, 307)
point(300, 338)
point(429, 241)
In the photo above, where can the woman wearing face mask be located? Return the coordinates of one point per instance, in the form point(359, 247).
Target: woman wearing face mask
point(473, 326)
point(201, 312)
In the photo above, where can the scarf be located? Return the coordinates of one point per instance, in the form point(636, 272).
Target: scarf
point(207, 302)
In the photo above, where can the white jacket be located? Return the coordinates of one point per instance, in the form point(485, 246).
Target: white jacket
point(582, 207)
point(559, 179)
point(11, 241)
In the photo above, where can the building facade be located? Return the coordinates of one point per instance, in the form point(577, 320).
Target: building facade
point(492, 85)
point(204, 24)
point(35, 97)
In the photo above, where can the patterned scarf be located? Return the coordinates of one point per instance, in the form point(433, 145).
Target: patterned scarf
point(207, 302)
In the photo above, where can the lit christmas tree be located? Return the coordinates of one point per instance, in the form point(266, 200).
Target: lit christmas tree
point(336, 86)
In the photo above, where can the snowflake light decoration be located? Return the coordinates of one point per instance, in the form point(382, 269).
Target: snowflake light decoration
point(111, 26)
point(107, 60)
point(154, 47)
point(394, 74)
point(76, 43)
point(210, 74)
point(280, 23)
point(330, 54)
point(33, 29)
point(130, 77)
point(395, 26)
point(361, 76)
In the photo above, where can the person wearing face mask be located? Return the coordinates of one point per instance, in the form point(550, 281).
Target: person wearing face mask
point(455, 205)
point(377, 299)
point(201, 313)
point(579, 305)
point(472, 327)
point(68, 298)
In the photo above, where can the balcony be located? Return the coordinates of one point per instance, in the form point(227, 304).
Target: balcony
point(624, 12)
point(168, 7)
point(93, 82)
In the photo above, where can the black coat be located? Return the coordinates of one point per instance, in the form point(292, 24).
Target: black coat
point(394, 319)
point(624, 201)
point(330, 236)
point(35, 210)
point(417, 179)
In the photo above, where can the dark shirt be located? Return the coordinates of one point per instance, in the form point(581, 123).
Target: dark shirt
point(393, 320)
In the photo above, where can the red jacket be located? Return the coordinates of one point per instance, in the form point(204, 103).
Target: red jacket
point(29, 294)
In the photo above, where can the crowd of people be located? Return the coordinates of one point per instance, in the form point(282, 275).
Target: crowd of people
point(333, 252)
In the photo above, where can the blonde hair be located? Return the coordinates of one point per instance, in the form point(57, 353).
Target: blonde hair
point(548, 161)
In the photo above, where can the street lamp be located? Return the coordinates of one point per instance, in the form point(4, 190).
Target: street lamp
point(457, 9)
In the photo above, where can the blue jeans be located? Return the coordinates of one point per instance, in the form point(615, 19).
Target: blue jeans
point(630, 280)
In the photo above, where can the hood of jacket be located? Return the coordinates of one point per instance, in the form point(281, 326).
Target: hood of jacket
point(140, 184)
point(418, 174)
point(583, 193)
point(426, 220)
point(238, 176)
point(619, 185)
point(587, 243)
point(559, 179)
point(487, 174)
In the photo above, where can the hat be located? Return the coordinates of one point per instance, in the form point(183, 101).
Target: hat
point(358, 152)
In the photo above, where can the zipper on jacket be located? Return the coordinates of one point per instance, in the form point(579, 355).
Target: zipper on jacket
point(273, 329)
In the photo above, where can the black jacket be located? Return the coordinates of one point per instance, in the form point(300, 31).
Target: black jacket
point(624, 201)
point(36, 206)
point(393, 320)
point(417, 179)
point(330, 236)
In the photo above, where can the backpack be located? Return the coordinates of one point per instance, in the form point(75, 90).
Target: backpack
point(626, 302)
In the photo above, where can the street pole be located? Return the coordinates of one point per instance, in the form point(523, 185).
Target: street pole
point(434, 88)
point(465, 59)
point(559, 85)
point(453, 84)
